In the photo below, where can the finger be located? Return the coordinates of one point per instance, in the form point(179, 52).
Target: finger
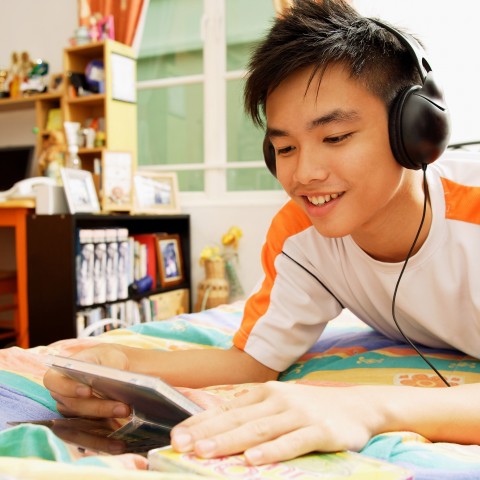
point(290, 445)
point(247, 435)
point(64, 386)
point(252, 397)
point(90, 407)
point(243, 429)
point(215, 421)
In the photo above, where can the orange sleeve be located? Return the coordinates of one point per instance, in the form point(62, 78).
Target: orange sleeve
point(461, 202)
point(287, 222)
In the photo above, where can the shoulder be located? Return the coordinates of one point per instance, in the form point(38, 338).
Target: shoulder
point(459, 167)
point(458, 173)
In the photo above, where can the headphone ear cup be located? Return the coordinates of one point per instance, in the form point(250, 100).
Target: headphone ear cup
point(419, 125)
point(269, 156)
point(395, 128)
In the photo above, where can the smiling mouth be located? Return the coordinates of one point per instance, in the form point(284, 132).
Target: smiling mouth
point(322, 199)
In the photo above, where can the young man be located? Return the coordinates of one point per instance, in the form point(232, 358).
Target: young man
point(329, 81)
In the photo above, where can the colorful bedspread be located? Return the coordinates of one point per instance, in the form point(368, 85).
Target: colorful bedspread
point(348, 353)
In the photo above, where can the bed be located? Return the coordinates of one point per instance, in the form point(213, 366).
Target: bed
point(348, 353)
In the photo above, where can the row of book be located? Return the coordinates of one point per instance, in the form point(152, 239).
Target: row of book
point(110, 260)
point(160, 306)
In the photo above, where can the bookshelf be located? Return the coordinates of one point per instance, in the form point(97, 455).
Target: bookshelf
point(119, 116)
point(52, 246)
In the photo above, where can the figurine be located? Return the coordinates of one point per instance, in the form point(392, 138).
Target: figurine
point(36, 80)
point(4, 92)
point(15, 80)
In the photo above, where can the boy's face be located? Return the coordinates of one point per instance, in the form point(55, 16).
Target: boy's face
point(333, 153)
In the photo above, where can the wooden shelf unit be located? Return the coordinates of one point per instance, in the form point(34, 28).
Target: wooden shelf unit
point(52, 248)
point(120, 117)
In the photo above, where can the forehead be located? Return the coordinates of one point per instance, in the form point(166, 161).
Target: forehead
point(307, 91)
point(303, 102)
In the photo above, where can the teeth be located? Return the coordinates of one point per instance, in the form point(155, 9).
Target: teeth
point(321, 199)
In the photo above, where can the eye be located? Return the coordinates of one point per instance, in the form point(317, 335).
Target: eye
point(284, 150)
point(338, 138)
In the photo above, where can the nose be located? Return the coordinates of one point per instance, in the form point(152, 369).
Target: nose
point(311, 166)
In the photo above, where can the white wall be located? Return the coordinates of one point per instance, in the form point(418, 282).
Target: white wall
point(42, 28)
point(449, 31)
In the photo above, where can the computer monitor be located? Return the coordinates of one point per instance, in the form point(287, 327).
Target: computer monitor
point(15, 165)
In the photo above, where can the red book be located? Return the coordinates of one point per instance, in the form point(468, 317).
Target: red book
point(150, 240)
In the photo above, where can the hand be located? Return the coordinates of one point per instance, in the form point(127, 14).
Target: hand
point(77, 399)
point(278, 421)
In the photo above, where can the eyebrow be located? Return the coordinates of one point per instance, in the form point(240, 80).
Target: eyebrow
point(335, 116)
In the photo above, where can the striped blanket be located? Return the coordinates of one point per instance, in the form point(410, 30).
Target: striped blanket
point(348, 353)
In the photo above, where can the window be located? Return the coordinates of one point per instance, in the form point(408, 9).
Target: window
point(191, 67)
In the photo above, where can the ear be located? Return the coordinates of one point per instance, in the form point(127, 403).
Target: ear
point(269, 156)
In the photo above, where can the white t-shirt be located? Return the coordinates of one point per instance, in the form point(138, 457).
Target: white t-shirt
point(438, 300)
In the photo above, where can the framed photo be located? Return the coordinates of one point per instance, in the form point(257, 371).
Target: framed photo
point(80, 191)
point(169, 260)
point(123, 78)
point(155, 193)
point(117, 168)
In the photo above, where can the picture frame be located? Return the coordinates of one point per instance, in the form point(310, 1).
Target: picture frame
point(155, 192)
point(170, 260)
point(123, 78)
point(117, 181)
point(80, 191)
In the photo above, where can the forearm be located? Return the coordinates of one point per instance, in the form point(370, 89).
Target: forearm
point(439, 414)
point(199, 368)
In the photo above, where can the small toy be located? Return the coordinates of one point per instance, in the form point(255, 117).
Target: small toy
point(35, 80)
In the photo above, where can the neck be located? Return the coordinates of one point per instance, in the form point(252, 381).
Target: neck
point(399, 227)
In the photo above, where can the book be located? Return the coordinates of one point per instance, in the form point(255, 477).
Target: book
point(123, 259)
point(100, 266)
point(112, 264)
point(150, 241)
point(54, 120)
point(340, 465)
point(85, 267)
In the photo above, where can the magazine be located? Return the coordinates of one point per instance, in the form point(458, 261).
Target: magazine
point(340, 465)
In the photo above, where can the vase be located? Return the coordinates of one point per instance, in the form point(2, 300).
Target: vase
point(214, 289)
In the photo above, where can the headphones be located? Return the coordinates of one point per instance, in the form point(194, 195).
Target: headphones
point(418, 124)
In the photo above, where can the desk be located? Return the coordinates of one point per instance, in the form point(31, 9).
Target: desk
point(14, 214)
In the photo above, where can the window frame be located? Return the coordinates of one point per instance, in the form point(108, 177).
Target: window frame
point(214, 79)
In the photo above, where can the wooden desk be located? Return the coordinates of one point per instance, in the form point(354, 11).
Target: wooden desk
point(14, 214)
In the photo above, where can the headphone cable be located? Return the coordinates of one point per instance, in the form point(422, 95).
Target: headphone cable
point(409, 254)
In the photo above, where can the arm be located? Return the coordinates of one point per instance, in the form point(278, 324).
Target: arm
point(276, 421)
point(187, 368)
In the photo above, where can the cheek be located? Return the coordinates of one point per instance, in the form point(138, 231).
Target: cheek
point(285, 172)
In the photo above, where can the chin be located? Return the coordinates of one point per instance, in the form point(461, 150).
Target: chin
point(331, 231)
